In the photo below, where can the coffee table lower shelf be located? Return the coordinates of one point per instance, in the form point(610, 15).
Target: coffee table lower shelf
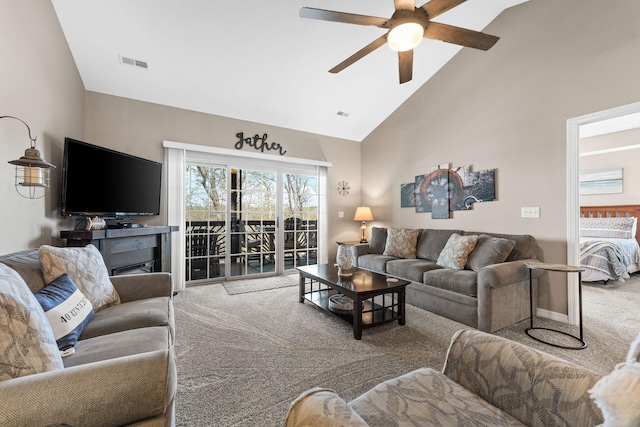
point(372, 314)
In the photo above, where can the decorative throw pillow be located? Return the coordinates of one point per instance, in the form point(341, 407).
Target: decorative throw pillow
point(86, 268)
point(26, 339)
point(67, 309)
point(617, 394)
point(401, 243)
point(456, 251)
point(378, 240)
point(489, 250)
point(620, 228)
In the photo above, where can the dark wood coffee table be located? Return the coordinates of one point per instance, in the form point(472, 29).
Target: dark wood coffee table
point(377, 300)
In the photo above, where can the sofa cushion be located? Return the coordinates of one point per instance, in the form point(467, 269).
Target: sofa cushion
point(143, 313)
point(401, 243)
point(410, 269)
point(67, 309)
point(426, 397)
point(86, 268)
point(26, 339)
point(489, 250)
point(459, 281)
point(455, 253)
point(119, 344)
point(432, 242)
point(378, 240)
point(374, 262)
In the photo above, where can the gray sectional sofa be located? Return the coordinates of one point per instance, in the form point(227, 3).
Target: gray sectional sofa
point(123, 370)
point(488, 291)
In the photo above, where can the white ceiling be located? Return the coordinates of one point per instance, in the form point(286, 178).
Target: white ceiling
point(255, 60)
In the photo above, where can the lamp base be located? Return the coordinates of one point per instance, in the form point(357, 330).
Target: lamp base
point(363, 241)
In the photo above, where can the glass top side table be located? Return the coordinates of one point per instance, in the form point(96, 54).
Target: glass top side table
point(564, 269)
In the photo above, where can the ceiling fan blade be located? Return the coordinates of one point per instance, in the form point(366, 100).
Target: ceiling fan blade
point(405, 63)
point(347, 18)
point(405, 4)
point(360, 54)
point(460, 36)
point(438, 7)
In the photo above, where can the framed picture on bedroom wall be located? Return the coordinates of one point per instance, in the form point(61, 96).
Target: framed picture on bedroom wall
point(603, 181)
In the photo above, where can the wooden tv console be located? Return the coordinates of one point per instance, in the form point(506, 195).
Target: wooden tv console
point(128, 250)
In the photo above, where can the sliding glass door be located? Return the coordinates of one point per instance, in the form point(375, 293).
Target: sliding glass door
point(248, 221)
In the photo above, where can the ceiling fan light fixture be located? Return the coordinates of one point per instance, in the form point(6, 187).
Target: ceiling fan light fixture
point(405, 36)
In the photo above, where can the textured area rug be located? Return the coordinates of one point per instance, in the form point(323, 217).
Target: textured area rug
point(243, 359)
point(264, 284)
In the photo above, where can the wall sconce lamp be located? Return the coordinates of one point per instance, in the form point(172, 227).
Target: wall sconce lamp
point(32, 172)
point(363, 213)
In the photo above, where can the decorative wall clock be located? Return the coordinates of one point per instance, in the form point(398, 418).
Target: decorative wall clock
point(343, 188)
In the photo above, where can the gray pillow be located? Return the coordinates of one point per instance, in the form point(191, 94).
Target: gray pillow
point(489, 250)
point(432, 242)
point(378, 240)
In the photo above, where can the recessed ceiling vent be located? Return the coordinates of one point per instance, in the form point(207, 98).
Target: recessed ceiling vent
point(135, 62)
point(343, 114)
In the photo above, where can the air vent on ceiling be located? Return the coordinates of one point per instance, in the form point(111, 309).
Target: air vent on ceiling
point(134, 62)
point(343, 114)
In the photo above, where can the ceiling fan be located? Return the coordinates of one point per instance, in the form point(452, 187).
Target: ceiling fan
point(406, 28)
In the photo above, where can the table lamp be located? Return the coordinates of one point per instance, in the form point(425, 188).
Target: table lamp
point(363, 213)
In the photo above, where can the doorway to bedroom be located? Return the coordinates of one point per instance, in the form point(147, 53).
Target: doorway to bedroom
point(599, 142)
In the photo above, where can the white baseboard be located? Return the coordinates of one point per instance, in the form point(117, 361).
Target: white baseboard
point(553, 315)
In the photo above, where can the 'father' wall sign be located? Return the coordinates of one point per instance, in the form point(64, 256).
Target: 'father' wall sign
point(259, 143)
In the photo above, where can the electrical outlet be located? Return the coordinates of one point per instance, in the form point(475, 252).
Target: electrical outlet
point(341, 214)
point(530, 212)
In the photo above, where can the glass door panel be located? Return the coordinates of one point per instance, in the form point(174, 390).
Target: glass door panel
point(252, 220)
point(300, 208)
point(205, 214)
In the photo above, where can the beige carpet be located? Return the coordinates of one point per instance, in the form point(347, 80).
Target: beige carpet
point(242, 359)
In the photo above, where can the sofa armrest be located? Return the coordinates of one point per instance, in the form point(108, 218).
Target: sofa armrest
point(506, 273)
point(134, 287)
point(320, 407)
point(113, 392)
point(534, 387)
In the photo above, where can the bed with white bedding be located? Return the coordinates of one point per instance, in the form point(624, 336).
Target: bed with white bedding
point(609, 248)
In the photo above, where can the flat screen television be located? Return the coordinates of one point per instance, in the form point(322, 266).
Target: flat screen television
point(97, 181)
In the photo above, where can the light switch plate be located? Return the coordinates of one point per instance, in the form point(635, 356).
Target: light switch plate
point(530, 212)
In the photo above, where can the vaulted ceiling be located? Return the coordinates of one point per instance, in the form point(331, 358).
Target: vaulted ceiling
point(255, 60)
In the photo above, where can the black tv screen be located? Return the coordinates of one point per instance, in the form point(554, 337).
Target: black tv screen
point(103, 182)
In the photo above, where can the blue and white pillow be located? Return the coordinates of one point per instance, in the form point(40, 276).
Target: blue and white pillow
point(67, 309)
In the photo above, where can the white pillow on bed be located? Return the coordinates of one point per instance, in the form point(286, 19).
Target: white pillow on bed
point(620, 228)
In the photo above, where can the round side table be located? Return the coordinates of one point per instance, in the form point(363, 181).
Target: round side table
point(564, 269)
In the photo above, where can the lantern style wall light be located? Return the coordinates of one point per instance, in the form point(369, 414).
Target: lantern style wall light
point(363, 213)
point(32, 172)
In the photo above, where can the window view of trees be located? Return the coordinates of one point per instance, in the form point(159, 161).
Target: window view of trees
point(252, 208)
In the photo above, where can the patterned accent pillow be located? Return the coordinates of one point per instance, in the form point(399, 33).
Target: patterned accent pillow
point(86, 268)
point(456, 251)
point(67, 309)
point(620, 228)
point(26, 339)
point(401, 243)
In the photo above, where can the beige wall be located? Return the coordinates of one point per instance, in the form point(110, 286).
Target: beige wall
point(39, 84)
point(140, 128)
point(628, 160)
point(507, 109)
